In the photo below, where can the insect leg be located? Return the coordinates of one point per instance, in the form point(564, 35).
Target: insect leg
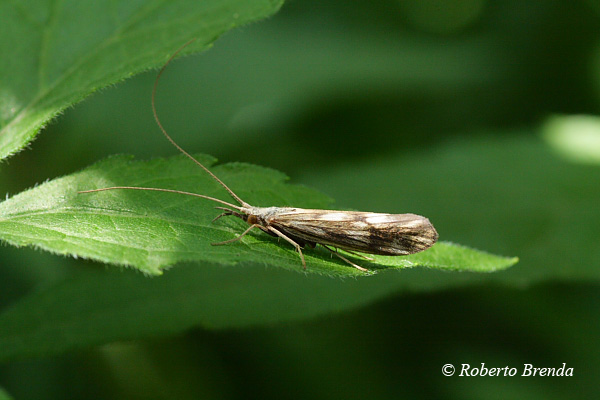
point(345, 259)
point(221, 215)
point(360, 255)
point(227, 212)
point(296, 245)
point(237, 238)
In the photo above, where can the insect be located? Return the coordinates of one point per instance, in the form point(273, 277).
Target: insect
point(352, 231)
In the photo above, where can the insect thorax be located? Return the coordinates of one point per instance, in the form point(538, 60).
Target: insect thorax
point(261, 215)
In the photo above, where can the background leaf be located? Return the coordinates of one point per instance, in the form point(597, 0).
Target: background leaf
point(4, 395)
point(150, 230)
point(99, 307)
point(53, 65)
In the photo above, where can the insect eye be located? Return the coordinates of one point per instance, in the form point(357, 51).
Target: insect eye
point(252, 219)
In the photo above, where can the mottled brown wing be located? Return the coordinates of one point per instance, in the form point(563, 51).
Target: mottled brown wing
point(367, 232)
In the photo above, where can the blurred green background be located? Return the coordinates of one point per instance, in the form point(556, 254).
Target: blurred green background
point(443, 108)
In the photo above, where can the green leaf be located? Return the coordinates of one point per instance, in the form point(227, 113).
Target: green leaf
point(4, 395)
point(62, 52)
point(152, 230)
point(575, 137)
point(101, 306)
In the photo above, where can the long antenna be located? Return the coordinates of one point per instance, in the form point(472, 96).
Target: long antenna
point(235, 196)
point(163, 190)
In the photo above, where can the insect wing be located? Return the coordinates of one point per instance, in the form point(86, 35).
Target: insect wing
point(373, 233)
